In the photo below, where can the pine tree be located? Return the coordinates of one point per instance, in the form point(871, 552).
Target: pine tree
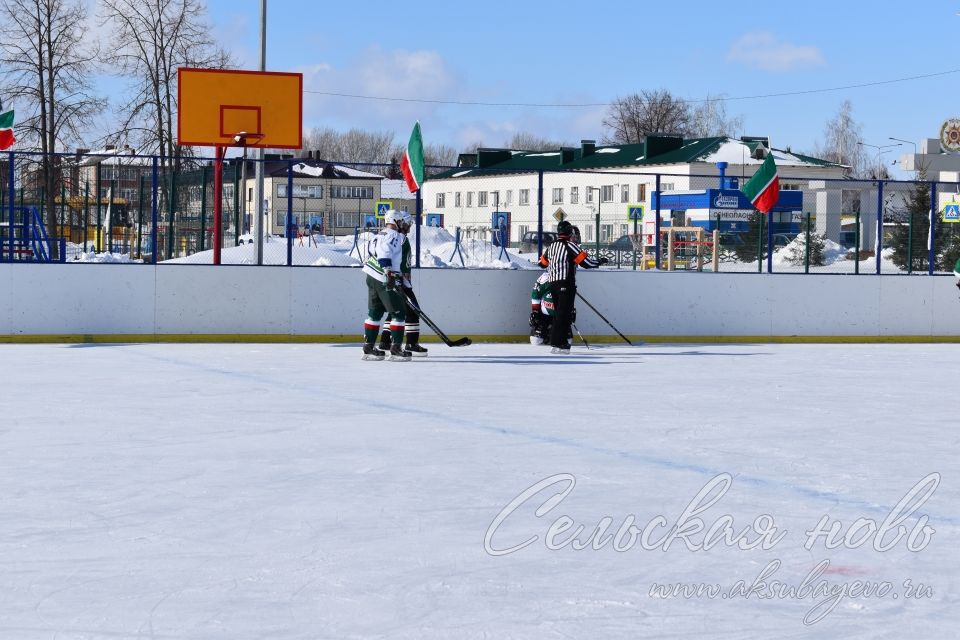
point(912, 254)
point(749, 250)
point(798, 253)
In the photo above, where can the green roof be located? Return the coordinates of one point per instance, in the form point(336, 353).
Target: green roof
point(665, 150)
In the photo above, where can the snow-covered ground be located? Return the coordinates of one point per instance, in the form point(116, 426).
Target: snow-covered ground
point(295, 491)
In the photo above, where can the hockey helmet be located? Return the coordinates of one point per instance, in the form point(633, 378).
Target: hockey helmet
point(564, 228)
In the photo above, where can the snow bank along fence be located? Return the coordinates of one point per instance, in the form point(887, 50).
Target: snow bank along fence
point(105, 302)
point(130, 207)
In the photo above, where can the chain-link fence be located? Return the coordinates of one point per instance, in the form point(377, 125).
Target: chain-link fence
point(117, 206)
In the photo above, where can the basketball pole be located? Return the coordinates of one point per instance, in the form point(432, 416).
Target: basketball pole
point(258, 187)
point(221, 151)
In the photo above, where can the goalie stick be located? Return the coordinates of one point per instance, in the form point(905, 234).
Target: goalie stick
point(459, 342)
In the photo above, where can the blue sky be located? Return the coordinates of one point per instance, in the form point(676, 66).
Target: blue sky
point(566, 52)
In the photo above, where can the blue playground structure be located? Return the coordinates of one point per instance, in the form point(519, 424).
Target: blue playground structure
point(25, 239)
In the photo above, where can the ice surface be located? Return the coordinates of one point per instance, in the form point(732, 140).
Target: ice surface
point(295, 491)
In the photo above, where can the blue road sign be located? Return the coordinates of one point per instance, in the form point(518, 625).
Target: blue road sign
point(951, 213)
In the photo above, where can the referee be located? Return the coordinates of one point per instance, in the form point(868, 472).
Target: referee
point(561, 260)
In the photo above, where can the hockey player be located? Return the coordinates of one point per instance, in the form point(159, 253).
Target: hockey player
point(412, 319)
point(561, 260)
point(384, 280)
point(956, 272)
point(541, 311)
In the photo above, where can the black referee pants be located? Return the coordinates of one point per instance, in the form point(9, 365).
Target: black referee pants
point(563, 299)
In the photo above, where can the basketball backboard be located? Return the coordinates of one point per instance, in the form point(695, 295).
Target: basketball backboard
point(216, 105)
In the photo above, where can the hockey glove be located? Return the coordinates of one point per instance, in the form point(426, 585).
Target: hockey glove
point(394, 280)
point(603, 261)
point(534, 319)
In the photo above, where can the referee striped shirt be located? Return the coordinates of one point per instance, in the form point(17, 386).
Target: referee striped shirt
point(562, 258)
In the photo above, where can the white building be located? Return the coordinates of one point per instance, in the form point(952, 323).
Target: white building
point(592, 183)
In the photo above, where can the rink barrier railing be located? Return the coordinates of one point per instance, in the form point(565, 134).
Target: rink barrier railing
point(56, 303)
point(166, 213)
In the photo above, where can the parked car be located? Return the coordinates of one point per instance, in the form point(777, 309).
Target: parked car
point(623, 243)
point(848, 239)
point(730, 240)
point(528, 243)
point(780, 240)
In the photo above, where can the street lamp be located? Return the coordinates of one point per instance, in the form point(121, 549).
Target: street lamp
point(599, 200)
point(907, 142)
point(881, 149)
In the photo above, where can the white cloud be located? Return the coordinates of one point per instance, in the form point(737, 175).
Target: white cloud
point(762, 50)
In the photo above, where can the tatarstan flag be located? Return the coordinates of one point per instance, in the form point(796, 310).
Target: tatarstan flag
point(763, 189)
point(6, 130)
point(412, 163)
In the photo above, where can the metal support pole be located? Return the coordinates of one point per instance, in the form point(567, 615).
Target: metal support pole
point(419, 225)
point(932, 236)
point(539, 214)
point(760, 246)
point(171, 207)
point(806, 257)
point(878, 245)
point(11, 193)
point(154, 212)
point(856, 248)
point(289, 229)
point(99, 186)
point(86, 214)
point(217, 238)
point(656, 234)
point(203, 208)
point(140, 219)
point(769, 242)
point(258, 206)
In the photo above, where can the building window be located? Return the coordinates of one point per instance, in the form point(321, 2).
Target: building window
point(524, 197)
point(588, 233)
point(336, 191)
point(666, 186)
point(606, 193)
point(606, 232)
point(508, 200)
point(574, 195)
point(522, 230)
point(469, 198)
point(641, 193)
point(789, 186)
point(301, 190)
point(558, 196)
point(347, 219)
point(441, 200)
point(456, 199)
point(481, 198)
point(624, 193)
point(589, 195)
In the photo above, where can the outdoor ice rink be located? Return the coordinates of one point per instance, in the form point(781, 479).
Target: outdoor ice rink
point(293, 491)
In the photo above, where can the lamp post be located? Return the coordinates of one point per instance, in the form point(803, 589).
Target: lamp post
point(914, 150)
point(599, 191)
point(881, 149)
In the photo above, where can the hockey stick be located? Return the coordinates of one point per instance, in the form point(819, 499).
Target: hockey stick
point(604, 319)
point(459, 342)
point(585, 343)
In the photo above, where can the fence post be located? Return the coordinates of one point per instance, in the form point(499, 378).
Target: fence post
point(806, 257)
point(878, 246)
point(203, 209)
point(760, 246)
point(140, 219)
point(237, 218)
point(932, 236)
point(171, 206)
point(539, 214)
point(11, 196)
point(769, 214)
point(86, 213)
point(856, 248)
point(289, 232)
point(98, 186)
point(416, 262)
point(656, 229)
point(154, 214)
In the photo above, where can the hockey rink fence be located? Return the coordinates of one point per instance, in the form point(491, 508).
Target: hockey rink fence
point(129, 208)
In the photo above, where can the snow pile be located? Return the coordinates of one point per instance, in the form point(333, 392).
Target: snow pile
point(305, 253)
point(105, 257)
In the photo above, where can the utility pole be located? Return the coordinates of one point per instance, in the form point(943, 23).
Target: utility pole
point(258, 207)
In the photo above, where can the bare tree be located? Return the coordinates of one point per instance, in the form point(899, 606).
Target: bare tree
point(709, 119)
point(841, 142)
point(354, 145)
point(631, 118)
point(532, 142)
point(45, 66)
point(151, 40)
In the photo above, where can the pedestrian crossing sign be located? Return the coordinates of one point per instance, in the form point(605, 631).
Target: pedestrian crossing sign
point(951, 212)
point(382, 207)
point(634, 212)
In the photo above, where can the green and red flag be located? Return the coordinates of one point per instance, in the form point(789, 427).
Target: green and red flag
point(6, 130)
point(412, 163)
point(763, 189)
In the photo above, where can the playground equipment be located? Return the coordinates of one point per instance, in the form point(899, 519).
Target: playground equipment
point(25, 239)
